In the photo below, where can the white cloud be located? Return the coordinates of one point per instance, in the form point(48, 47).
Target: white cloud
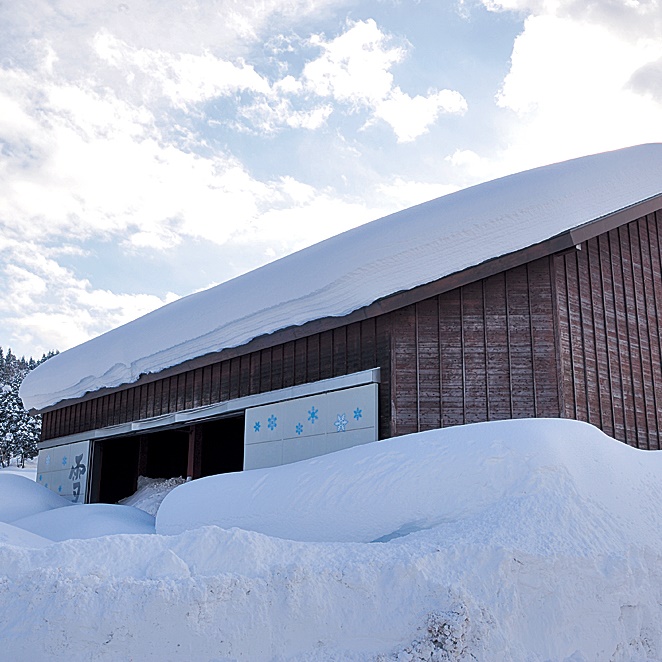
point(355, 69)
point(583, 79)
point(411, 117)
point(647, 80)
point(184, 78)
point(355, 66)
point(47, 306)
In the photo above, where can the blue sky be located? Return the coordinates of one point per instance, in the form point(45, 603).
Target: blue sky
point(152, 149)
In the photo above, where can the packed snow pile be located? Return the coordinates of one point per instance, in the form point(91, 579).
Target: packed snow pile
point(21, 497)
point(354, 269)
point(32, 508)
point(151, 492)
point(87, 521)
point(435, 479)
point(536, 540)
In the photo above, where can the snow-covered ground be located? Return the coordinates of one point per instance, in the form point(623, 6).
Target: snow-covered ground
point(526, 540)
point(29, 470)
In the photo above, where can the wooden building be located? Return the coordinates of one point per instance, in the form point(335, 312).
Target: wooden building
point(562, 323)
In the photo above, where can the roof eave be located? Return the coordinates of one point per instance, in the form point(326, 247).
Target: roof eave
point(561, 242)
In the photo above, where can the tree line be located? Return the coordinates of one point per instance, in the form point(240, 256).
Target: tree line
point(19, 432)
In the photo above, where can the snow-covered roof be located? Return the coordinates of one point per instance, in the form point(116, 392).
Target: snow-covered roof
point(352, 270)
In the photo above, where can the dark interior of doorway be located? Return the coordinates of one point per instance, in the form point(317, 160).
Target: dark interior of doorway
point(218, 448)
point(222, 446)
point(120, 460)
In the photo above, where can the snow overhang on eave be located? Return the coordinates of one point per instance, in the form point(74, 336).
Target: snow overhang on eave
point(561, 242)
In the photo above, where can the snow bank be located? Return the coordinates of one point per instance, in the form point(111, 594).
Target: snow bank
point(39, 516)
point(384, 490)
point(538, 541)
point(29, 470)
point(87, 521)
point(21, 497)
point(13, 535)
point(353, 269)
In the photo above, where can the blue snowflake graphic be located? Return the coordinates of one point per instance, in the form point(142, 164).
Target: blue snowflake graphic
point(48, 460)
point(40, 477)
point(299, 428)
point(271, 422)
point(59, 489)
point(358, 413)
point(46, 485)
point(312, 415)
point(341, 423)
point(257, 426)
point(64, 461)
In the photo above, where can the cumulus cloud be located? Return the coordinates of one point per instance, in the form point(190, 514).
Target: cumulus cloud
point(47, 306)
point(355, 68)
point(582, 79)
point(647, 80)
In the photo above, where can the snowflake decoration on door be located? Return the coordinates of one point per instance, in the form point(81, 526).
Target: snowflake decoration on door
point(358, 413)
point(299, 428)
point(341, 423)
point(312, 415)
point(271, 422)
point(257, 426)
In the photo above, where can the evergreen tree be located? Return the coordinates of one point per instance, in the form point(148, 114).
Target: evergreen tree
point(19, 432)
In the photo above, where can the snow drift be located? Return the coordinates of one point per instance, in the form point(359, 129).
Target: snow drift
point(22, 497)
point(350, 271)
point(537, 541)
point(87, 521)
point(583, 483)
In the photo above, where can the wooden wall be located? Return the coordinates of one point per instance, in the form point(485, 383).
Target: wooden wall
point(359, 346)
point(485, 351)
point(609, 300)
point(576, 334)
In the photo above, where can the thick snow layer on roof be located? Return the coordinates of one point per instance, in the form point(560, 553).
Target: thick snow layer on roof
point(515, 540)
point(350, 271)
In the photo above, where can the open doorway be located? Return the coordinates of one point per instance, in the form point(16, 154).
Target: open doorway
point(204, 449)
point(117, 462)
point(222, 446)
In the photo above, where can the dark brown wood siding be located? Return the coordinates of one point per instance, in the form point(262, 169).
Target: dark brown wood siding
point(574, 334)
point(484, 351)
point(359, 346)
point(609, 300)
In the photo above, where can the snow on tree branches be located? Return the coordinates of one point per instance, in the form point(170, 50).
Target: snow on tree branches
point(19, 432)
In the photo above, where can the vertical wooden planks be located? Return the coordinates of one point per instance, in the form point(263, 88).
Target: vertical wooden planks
point(603, 363)
point(368, 344)
point(300, 361)
point(276, 367)
point(653, 285)
point(474, 354)
point(427, 352)
point(497, 343)
point(288, 364)
point(403, 343)
point(244, 375)
point(255, 368)
point(519, 335)
point(452, 365)
point(313, 358)
point(326, 354)
point(340, 351)
point(383, 350)
point(353, 348)
point(543, 339)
